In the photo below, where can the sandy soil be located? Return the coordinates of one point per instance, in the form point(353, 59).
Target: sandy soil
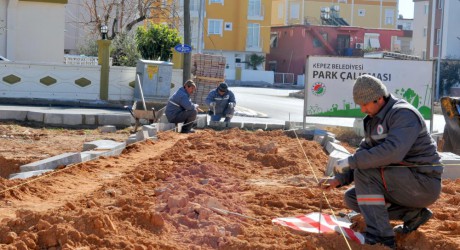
point(164, 194)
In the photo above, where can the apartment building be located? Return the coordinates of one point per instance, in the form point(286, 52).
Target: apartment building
point(237, 29)
point(360, 13)
point(436, 29)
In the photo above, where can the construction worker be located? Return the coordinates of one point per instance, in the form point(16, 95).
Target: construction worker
point(180, 108)
point(396, 169)
point(221, 102)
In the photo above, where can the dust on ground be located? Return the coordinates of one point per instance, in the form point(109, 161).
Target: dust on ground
point(177, 192)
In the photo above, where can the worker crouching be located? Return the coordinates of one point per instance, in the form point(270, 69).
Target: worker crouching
point(221, 102)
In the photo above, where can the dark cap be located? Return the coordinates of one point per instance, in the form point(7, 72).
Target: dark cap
point(223, 87)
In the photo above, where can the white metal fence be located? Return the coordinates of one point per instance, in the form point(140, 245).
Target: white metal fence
point(82, 60)
point(284, 78)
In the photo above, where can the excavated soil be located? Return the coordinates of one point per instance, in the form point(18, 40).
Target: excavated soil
point(208, 190)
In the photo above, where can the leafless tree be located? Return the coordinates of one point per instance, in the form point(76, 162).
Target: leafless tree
point(124, 15)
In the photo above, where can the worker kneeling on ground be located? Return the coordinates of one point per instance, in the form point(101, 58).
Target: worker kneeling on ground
point(221, 102)
point(396, 169)
point(181, 109)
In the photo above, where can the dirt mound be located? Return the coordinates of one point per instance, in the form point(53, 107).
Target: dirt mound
point(206, 190)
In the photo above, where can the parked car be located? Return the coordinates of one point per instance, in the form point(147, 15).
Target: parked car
point(3, 59)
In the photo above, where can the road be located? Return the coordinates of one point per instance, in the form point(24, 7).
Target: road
point(279, 107)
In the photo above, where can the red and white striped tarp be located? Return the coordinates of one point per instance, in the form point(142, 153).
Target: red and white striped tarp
point(313, 224)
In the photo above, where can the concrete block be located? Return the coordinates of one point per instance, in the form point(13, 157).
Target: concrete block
point(13, 115)
point(234, 124)
point(131, 140)
point(331, 146)
point(89, 120)
point(328, 137)
point(333, 158)
point(35, 116)
point(275, 126)
point(52, 162)
point(318, 138)
point(28, 174)
point(165, 126)
point(254, 126)
point(72, 119)
point(358, 126)
point(94, 154)
point(108, 129)
point(451, 163)
point(151, 130)
point(201, 121)
point(117, 120)
point(217, 124)
point(142, 135)
point(292, 125)
point(116, 147)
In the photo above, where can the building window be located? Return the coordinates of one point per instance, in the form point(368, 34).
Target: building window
point(438, 36)
point(440, 4)
point(228, 26)
point(361, 12)
point(424, 32)
point(253, 40)
point(280, 11)
point(215, 27)
point(295, 9)
point(273, 40)
point(254, 8)
point(425, 10)
point(194, 5)
point(389, 16)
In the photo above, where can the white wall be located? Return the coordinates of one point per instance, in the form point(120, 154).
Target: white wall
point(65, 88)
point(257, 76)
point(3, 27)
point(35, 32)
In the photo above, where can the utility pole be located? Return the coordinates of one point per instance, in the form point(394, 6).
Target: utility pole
point(438, 63)
point(186, 74)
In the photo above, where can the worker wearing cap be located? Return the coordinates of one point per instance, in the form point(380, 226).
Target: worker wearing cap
point(395, 134)
point(221, 102)
point(181, 109)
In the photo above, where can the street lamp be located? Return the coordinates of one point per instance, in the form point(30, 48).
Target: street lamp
point(104, 30)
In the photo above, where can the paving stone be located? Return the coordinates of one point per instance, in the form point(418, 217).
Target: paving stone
point(452, 165)
point(217, 124)
point(202, 121)
point(108, 129)
point(117, 120)
point(13, 115)
point(28, 174)
point(35, 116)
point(333, 158)
point(234, 124)
point(275, 127)
point(328, 137)
point(115, 147)
point(165, 126)
point(52, 162)
point(151, 130)
point(142, 135)
point(89, 120)
point(331, 146)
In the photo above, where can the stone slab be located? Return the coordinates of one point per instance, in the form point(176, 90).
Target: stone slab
point(28, 174)
point(333, 158)
point(104, 145)
point(275, 126)
point(63, 119)
point(52, 162)
point(13, 115)
point(234, 124)
point(331, 146)
point(451, 163)
point(89, 120)
point(93, 154)
point(201, 121)
point(218, 124)
point(165, 126)
point(117, 120)
point(35, 116)
point(151, 130)
point(108, 129)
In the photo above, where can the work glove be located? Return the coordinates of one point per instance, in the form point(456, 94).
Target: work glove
point(231, 105)
point(196, 106)
point(212, 104)
point(341, 166)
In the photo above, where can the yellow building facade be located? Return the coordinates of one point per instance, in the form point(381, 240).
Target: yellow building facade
point(359, 13)
point(237, 29)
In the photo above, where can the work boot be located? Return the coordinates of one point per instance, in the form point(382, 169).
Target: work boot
point(411, 225)
point(386, 241)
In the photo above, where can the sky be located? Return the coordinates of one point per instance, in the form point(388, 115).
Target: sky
point(406, 8)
